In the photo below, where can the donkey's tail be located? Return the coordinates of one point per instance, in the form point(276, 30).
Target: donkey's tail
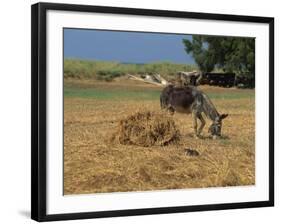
point(165, 95)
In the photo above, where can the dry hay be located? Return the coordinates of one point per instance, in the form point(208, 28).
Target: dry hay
point(147, 128)
point(95, 164)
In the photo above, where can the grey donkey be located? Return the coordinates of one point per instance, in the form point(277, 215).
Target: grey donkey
point(188, 100)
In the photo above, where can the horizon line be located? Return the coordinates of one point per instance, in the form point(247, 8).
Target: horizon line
point(126, 62)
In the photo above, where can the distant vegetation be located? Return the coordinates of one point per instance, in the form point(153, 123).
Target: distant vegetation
point(103, 70)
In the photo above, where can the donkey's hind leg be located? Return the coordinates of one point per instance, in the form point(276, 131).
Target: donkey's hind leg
point(203, 122)
point(170, 109)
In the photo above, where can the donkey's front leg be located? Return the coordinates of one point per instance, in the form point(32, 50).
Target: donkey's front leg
point(203, 122)
point(194, 116)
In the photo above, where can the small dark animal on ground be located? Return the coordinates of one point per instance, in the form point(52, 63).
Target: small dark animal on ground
point(191, 152)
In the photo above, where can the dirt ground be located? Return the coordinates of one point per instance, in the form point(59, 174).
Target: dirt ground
point(93, 163)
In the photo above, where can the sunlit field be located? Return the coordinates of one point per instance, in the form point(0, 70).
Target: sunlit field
point(94, 163)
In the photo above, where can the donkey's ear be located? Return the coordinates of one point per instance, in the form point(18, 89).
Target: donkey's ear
point(223, 116)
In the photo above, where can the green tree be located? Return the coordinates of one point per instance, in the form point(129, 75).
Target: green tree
point(231, 54)
point(201, 53)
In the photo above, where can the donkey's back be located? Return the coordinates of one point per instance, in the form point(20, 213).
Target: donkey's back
point(180, 99)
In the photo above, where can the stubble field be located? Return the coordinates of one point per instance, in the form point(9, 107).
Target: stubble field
point(93, 163)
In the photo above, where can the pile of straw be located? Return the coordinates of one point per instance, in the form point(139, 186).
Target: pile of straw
point(147, 129)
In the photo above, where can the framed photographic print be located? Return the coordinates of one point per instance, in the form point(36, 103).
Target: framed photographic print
point(139, 111)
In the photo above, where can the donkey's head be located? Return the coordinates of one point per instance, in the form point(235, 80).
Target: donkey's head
point(215, 128)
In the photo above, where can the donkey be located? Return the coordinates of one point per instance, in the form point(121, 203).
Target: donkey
point(188, 100)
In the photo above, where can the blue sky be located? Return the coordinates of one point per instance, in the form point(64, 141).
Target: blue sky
point(129, 47)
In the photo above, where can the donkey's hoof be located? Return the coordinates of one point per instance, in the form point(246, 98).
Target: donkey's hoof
point(214, 137)
point(198, 136)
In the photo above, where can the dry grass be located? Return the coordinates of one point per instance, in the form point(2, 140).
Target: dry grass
point(93, 164)
point(147, 128)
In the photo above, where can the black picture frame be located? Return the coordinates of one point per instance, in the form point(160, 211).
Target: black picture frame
point(38, 110)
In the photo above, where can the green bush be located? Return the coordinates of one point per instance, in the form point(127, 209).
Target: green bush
point(105, 70)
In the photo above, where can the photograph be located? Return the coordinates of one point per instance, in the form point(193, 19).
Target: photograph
point(155, 111)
